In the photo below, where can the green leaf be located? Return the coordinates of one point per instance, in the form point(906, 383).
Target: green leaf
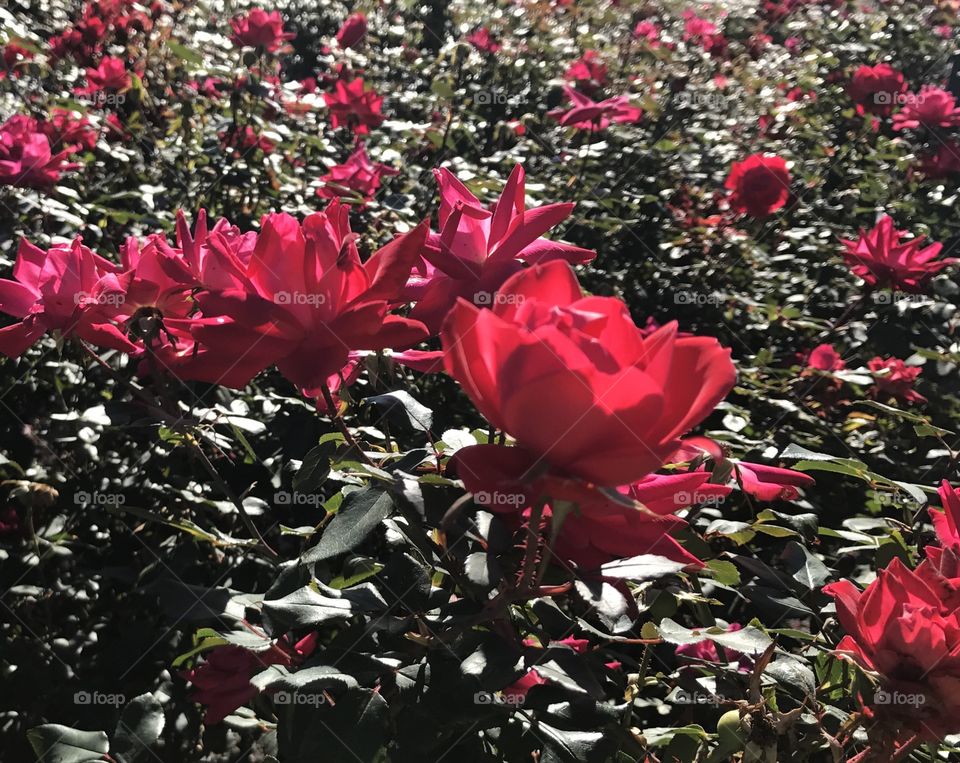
point(360, 512)
point(316, 604)
point(804, 567)
point(643, 567)
point(53, 743)
point(724, 572)
point(140, 726)
point(748, 640)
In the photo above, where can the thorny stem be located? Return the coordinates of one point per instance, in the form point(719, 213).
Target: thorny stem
point(341, 425)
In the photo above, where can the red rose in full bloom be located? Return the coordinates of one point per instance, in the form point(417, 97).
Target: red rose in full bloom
point(26, 157)
point(55, 290)
point(353, 107)
point(931, 107)
point(880, 259)
point(353, 30)
point(304, 300)
point(357, 175)
point(947, 522)
point(825, 358)
point(259, 29)
point(902, 629)
point(894, 378)
point(876, 89)
point(111, 74)
point(588, 73)
point(574, 381)
point(478, 248)
point(759, 185)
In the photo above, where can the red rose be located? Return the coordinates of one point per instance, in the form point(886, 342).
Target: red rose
point(259, 29)
point(880, 259)
point(574, 380)
point(876, 89)
point(353, 107)
point(760, 185)
point(931, 107)
point(825, 358)
point(894, 378)
point(904, 630)
point(354, 29)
